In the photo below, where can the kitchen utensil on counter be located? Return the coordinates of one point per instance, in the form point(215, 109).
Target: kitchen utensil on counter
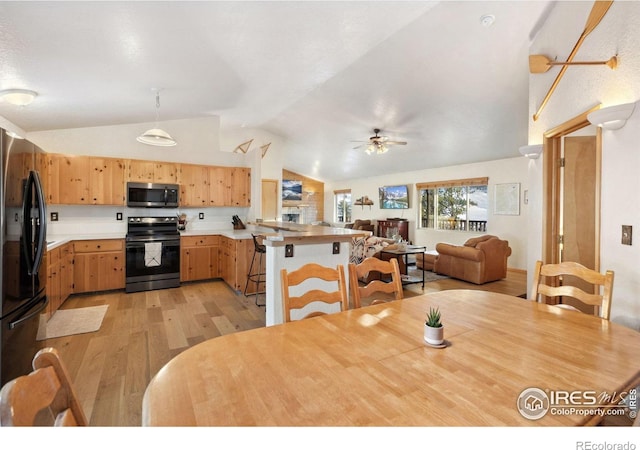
point(237, 223)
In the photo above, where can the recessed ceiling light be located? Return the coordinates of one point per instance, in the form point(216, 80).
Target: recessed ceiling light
point(487, 20)
point(18, 97)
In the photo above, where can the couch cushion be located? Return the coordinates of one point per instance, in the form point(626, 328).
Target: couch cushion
point(472, 242)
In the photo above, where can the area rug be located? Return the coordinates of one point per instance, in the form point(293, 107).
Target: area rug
point(66, 322)
point(428, 275)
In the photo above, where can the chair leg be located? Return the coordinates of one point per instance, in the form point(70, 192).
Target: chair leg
point(258, 282)
point(246, 285)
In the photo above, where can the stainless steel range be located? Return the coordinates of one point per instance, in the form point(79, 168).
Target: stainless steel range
point(152, 253)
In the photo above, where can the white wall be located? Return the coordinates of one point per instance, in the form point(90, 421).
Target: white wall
point(511, 170)
point(580, 89)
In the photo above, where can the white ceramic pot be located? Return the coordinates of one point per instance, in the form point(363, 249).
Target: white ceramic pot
point(433, 336)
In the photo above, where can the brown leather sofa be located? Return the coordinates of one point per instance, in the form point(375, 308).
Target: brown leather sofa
point(365, 225)
point(478, 261)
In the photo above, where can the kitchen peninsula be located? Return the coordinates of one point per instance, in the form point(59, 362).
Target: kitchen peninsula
point(291, 246)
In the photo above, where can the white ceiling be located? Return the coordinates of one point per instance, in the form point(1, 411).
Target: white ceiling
point(320, 74)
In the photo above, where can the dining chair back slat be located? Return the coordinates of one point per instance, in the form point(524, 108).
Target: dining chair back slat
point(390, 282)
point(43, 397)
point(602, 285)
point(309, 272)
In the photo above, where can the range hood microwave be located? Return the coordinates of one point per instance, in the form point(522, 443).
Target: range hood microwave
point(152, 195)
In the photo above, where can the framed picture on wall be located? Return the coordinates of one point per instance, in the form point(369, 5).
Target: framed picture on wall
point(507, 199)
point(291, 190)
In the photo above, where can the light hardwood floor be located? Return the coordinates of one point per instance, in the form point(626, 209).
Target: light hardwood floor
point(142, 331)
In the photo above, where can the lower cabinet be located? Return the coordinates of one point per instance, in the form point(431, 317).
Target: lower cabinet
point(199, 257)
point(99, 265)
point(235, 259)
point(60, 269)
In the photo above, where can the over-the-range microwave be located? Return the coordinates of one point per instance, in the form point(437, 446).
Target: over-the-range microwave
point(152, 195)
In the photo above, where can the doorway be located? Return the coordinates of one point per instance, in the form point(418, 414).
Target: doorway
point(571, 195)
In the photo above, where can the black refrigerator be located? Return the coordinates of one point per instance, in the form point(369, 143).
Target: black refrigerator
point(24, 273)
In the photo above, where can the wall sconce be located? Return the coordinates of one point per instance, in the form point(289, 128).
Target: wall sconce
point(244, 147)
point(531, 151)
point(612, 117)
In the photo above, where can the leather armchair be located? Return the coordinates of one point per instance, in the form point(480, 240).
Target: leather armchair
point(478, 261)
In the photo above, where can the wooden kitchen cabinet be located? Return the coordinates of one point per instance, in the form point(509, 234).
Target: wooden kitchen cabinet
point(106, 181)
point(68, 180)
point(84, 180)
point(99, 265)
point(235, 258)
point(152, 171)
point(59, 276)
point(194, 185)
point(229, 186)
point(53, 281)
point(199, 257)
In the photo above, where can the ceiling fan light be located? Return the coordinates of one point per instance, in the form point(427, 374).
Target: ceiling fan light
point(18, 97)
point(157, 137)
point(531, 151)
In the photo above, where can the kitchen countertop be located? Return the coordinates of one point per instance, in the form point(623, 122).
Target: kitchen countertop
point(54, 241)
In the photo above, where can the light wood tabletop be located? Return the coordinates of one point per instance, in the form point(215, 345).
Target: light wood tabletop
point(371, 366)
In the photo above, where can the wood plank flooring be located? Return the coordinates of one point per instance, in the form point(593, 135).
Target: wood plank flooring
point(142, 331)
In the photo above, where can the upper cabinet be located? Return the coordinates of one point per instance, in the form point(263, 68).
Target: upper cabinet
point(89, 180)
point(152, 171)
point(68, 179)
point(84, 180)
point(106, 181)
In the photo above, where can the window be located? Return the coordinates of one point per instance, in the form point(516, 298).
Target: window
point(342, 205)
point(454, 205)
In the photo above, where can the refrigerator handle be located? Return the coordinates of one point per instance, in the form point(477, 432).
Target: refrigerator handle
point(27, 224)
point(42, 303)
point(41, 223)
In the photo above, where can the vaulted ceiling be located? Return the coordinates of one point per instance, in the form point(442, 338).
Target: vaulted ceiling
point(320, 74)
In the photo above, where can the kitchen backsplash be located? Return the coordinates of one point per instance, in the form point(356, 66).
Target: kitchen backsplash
point(91, 219)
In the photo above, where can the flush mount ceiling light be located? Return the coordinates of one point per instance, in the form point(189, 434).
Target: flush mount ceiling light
point(156, 136)
point(531, 151)
point(18, 97)
point(613, 117)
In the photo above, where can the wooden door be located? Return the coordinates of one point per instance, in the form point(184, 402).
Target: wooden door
point(269, 199)
point(240, 186)
point(578, 212)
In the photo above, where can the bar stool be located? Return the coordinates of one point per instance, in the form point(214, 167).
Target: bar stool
point(254, 277)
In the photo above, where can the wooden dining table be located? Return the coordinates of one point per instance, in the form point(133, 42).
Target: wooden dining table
point(372, 367)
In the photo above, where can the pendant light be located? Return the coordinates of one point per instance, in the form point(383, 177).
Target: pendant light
point(156, 136)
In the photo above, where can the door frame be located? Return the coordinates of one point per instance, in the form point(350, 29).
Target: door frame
point(552, 147)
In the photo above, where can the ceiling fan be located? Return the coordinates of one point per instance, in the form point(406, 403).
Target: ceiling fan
point(378, 144)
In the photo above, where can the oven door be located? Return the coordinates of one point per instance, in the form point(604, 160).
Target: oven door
point(152, 264)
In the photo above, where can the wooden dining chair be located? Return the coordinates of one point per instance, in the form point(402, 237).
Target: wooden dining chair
point(43, 397)
point(311, 273)
point(601, 286)
point(386, 269)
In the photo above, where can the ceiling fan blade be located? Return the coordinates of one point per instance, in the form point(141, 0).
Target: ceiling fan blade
point(395, 143)
point(358, 146)
point(598, 11)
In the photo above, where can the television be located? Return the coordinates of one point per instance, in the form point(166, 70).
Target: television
point(291, 190)
point(394, 197)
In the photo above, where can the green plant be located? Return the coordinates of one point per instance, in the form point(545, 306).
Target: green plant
point(433, 318)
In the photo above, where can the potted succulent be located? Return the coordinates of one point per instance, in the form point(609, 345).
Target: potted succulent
point(433, 329)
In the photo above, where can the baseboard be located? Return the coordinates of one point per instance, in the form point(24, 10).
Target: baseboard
point(514, 270)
